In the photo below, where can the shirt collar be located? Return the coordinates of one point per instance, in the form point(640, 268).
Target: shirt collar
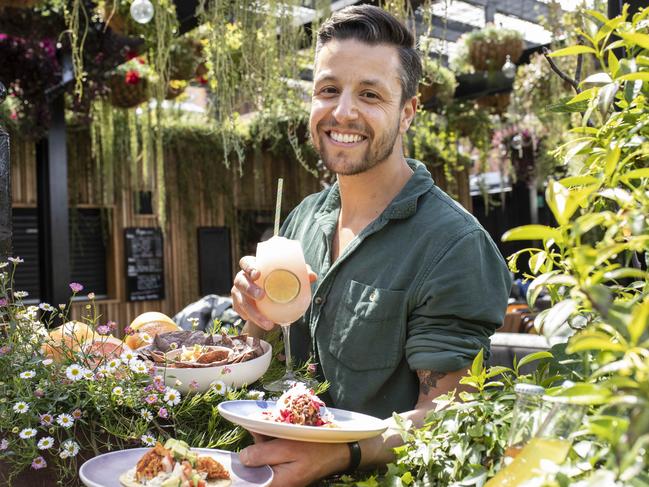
point(404, 205)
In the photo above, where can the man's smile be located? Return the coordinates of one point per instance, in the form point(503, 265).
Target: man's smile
point(342, 139)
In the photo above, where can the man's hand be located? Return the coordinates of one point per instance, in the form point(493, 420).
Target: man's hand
point(296, 463)
point(245, 293)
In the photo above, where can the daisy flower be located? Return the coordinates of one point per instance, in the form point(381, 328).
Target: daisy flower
point(147, 439)
point(255, 394)
point(77, 413)
point(45, 443)
point(76, 287)
point(146, 414)
point(46, 307)
point(128, 355)
point(88, 374)
point(118, 391)
point(46, 419)
point(74, 372)
point(163, 413)
point(151, 399)
point(220, 387)
point(113, 364)
point(146, 338)
point(65, 420)
point(172, 396)
point(138, 366)
point(27, 433)
point(28, 374)
point(15, 260)
point(21, 407)
point(21, 294)
point(70, 447)
point(47, 361)
point(38, 463)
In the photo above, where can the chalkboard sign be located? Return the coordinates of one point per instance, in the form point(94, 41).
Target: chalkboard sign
point(144, 264)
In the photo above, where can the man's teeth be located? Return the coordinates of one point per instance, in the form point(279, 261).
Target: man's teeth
point(347, 138)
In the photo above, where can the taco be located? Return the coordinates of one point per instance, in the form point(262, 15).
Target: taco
point(175, 465)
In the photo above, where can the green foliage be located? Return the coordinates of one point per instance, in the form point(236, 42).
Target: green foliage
point(593, 263)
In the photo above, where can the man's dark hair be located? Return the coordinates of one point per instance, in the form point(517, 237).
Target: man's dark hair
point(373, 25)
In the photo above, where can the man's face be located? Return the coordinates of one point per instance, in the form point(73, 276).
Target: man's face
point(356, 114)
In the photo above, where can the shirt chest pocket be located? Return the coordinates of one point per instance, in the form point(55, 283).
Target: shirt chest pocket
point(369, 329)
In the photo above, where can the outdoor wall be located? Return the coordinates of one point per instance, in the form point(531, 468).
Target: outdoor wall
point(253, 191)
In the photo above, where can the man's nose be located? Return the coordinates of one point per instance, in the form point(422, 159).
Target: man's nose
point(346, 108)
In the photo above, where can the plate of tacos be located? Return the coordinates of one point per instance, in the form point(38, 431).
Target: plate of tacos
point(173, 464)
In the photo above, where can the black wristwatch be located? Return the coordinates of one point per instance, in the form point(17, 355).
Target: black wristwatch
point(355, 456)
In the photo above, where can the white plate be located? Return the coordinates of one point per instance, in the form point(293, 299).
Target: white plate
point(104, 470)
point(350, 426)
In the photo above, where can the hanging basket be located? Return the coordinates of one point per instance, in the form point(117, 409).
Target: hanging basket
point(175, 88)
point(184, 59)
point(496, 104)
point(487, 55)
point(124, 95)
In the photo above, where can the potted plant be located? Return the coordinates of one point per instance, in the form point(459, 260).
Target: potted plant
point(129, 83)
point(487, 48)
point(438, 83)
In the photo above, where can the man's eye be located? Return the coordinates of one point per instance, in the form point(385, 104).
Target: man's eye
point(370, 94)
point(328, 90)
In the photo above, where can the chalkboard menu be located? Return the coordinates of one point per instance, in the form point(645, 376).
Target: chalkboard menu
point(144, 264)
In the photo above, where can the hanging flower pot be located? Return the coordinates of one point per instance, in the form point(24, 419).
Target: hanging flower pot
point(129, 83)
point(496, 104)
point(175, 88)
point(438, 83)
point(488, 48)
point(184, 59)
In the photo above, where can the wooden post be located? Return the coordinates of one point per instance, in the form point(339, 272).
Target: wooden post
point(5, 189)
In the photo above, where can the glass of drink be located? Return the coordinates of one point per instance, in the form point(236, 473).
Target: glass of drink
point(287, 293)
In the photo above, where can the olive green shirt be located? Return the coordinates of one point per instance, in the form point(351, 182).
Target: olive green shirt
point(422, 287)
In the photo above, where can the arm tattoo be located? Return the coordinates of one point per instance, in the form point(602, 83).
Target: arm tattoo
point(428, 379)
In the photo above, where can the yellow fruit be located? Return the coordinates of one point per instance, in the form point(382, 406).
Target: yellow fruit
point(66, 339)
point(282, 286)
point(150, 323)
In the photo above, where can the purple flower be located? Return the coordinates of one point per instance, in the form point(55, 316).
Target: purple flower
point(163, 413)
point(39, 392)
point(151, 398)
point(312, 368)
point(103, 330)
point(111, 325)
point(4, 444)
point(38, 463)
point(76, 287)
point(4, 350)
point(3, 302)
point(193, 384)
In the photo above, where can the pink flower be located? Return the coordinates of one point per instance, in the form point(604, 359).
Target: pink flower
point(91, 296)
point(226, 370)
point(3, 302)
point(76, 287)
point(312, 368)
point(151, 399)
point(47, 419)
point(4, 350)
point(103, 330)
point(163, 413)
point(76, 414)
point(111, 325)
point(4, 444)
point(38, 463)
point(39, 392)
point(193, 384)
point(128, 331)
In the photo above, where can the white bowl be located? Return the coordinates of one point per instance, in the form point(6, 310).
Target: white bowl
point(232, 375)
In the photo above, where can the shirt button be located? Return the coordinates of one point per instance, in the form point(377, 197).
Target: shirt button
point(318, 300)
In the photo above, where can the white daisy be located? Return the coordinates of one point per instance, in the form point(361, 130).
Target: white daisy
point(138, 366)
point(146, 414)
point(118, 391)
point(74, 372)
point(28, 374)
point(65, 420)
point(64, 454)
point(256, 395)
point(127, 356)
point(172, 396)
point(45, 443)
point(27, 433)
point(88, 374)
point(146, 338)
point(147, 439)
point(21, 294)
point(21, 407)
point(220, 387)
point(113, 364)
point(71, 447)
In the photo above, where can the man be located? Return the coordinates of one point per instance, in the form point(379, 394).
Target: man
point(409, 287)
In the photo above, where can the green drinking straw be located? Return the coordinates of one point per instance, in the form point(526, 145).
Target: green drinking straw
point(278, 205)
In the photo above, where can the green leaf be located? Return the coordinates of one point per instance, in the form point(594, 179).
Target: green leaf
point(572, 51)
point(641, 40)
point(478, 363)
point(586, 394)
point(625, 273)
point(579, 181)
point(597, 79)
point(636, 174)
point(584, 95)
point(642, 76)
point(639, 321)
point(597, 15)
point(594, 340)
point(564, 202)
point(555, 321)
point(407, 478)
point(613, 63)
point(532, 232)
point(612, 157)
point(534, 356)
point(536, 261)
point(496, 370)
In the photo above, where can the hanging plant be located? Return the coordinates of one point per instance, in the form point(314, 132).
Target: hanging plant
point(496, 104)
point(487, 49)
point(129, 83)
point(438, 83)
point(184, 57)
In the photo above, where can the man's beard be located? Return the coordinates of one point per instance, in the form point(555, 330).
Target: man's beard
point(376, 152)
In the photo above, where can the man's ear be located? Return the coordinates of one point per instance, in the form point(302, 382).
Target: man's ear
point(407, 114)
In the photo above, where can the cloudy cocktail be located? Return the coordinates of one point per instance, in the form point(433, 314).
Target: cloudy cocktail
point(287, 292)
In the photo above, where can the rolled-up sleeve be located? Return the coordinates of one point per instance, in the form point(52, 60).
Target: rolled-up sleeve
point(459, 303)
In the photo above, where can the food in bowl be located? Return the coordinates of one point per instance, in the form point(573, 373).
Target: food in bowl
point(175, 465)
point(299, 405)
point(147, 326)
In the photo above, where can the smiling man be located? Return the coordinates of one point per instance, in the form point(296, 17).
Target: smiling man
point(407, 286)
